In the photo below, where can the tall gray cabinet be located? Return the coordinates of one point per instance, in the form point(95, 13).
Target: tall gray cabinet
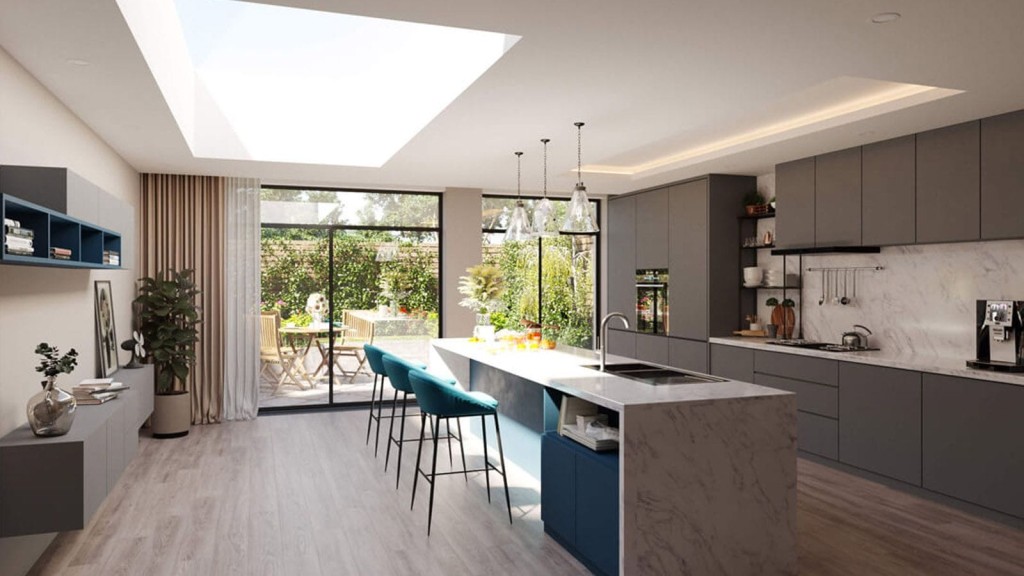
point(948, 175)
point(691, 228)
point(1002, 176)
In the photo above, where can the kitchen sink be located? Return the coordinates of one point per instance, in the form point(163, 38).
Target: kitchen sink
point(655, 375)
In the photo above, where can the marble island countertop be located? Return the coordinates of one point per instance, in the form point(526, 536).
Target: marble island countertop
point(917, 362)
point(564, 369)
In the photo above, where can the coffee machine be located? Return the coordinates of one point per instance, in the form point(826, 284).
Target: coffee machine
point(999, 334)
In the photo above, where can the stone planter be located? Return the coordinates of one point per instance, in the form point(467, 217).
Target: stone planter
point(172, 415)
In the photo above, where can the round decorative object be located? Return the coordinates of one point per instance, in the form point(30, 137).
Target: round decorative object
point(52, 411)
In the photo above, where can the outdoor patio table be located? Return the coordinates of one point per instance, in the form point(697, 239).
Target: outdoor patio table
point(311, 334)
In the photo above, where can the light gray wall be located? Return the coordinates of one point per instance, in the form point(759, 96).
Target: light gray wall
point(50, 304)
point(463, 247)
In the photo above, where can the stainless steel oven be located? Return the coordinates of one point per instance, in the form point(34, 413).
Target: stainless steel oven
point(652, 301)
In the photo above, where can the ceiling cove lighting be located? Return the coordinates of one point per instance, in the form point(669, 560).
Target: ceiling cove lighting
point(519, 226)
point(578, 220)
point(543, 225)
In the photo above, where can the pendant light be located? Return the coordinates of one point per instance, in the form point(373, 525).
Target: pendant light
point(578, 220)
point(543, 225)
point(519, 226)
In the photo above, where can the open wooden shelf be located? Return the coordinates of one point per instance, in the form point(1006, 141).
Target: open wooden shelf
point(87, 242)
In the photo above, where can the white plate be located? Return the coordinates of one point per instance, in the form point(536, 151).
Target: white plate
point(745, 285)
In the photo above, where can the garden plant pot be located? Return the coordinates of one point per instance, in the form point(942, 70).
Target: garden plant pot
point(172, 415)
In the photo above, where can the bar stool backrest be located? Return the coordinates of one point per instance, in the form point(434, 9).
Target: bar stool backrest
point(375, 357)
point(398, 370)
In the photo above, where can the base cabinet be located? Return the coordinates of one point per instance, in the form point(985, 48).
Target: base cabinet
point(973, 441)
point(580, 501)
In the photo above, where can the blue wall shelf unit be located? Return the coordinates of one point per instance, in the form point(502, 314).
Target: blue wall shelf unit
point(90, 246)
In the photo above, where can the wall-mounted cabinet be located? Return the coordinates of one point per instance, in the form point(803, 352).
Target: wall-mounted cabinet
point(948, 177)
point(38, 236)
point(837, 198)
point(888, 192)
point(652, 229)
point(794, 198)
point(1002, 176)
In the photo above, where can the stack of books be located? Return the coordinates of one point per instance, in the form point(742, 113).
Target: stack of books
point(17, 240)
point(112, 257)
point(58, 253)
point(97, 390)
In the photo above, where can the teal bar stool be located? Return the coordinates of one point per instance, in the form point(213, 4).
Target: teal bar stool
point(440, 400)
point(375, 358)
point(398, 370)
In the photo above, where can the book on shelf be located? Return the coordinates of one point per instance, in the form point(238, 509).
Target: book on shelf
point(19, 232)
point(93, 387)
point(60, 251)
point(59, 257)
point(17, 241)
point(95, 398)
point(20, 251)
point(94, 381)
point(12, 222)
point(112, 257)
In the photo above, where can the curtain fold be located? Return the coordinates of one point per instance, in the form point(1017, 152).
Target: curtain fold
point(182, 227)
point(242, 308)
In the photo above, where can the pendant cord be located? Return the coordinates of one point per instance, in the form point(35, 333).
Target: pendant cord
point(545, 141)
point(579, 154)
point(519, 175)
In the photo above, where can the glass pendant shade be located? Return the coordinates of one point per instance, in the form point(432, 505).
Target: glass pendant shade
point(578, 219)
point(544, 226)
point(519, 225)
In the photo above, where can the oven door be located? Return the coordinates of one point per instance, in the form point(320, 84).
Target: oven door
point(651, 308)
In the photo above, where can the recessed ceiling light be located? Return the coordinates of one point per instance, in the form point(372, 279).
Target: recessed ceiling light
point(885, 17)
point(78, 62)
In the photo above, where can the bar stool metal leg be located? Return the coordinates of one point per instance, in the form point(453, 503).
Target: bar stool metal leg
point(433, 472)
point(504, 471)
point(380, 404)
point(487, 470)
point(401, 439)
point(373, 400)
point(391, 430)
point(419, 453)
point(458, 424)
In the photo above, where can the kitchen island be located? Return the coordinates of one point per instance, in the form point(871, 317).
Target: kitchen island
point(707, 471)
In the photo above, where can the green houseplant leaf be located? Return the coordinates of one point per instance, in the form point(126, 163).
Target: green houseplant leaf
point(168, 319)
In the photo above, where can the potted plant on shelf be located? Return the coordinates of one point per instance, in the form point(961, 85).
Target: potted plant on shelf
point(52, 411)
point(168, 317)
point(754, 203)
point(482, 288)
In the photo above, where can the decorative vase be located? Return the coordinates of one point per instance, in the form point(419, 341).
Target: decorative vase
point(484, 330)
point(51, 412)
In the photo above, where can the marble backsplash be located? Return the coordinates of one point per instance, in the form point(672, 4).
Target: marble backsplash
point(924, 300)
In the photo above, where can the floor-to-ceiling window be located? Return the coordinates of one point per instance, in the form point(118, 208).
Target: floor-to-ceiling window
point(340, 268)
point(551, 281)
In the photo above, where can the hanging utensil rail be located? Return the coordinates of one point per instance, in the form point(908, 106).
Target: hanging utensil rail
point(845, 268)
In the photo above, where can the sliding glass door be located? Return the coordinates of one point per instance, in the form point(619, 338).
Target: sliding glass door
point(341, 269)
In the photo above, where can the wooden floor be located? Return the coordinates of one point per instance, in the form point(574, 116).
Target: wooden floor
point(300, 494)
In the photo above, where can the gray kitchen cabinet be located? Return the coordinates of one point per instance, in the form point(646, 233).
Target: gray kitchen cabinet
point(806, 368)
point(688, 354)
point(817, 434)
point(621, 273)
point(732, 362)
point(621, 343)
point(973, 441)
point(1002, 176)
point(837, 198)
point(652, 229)
point(880, 420)
point(810, 397)
point(652, 348)
point(888, 195)
point(688, 260)
point(948, 176)
point(794, 195)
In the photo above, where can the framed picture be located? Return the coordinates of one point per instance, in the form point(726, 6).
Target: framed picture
point(106, 336)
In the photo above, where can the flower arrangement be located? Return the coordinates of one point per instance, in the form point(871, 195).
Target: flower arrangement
point(316, 306)
point(482, 288)
point(53, 363)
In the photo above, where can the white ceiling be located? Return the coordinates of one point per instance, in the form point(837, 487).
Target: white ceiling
point(652, 79)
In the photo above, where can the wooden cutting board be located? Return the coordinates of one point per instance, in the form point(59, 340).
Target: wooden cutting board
point(757, 333)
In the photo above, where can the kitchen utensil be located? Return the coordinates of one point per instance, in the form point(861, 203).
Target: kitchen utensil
point(854, 287)
point(822, 299)
point(856, 338)
point(845, 299)
point(835, 286)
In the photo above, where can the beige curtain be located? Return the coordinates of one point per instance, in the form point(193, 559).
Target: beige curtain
point(182, 226)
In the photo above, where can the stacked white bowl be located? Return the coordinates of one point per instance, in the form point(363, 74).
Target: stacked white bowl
point(773, 277)
point(751, 276)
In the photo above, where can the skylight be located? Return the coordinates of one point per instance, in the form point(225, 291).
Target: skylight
point(279, 84)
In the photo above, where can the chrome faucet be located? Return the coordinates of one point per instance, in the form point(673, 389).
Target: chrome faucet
point(604, 333)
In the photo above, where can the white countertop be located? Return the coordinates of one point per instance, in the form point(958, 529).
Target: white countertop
point(563, 369)
point(932, 364)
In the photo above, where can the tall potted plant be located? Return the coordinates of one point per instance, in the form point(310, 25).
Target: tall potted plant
point(482, 287)
point(168, 317)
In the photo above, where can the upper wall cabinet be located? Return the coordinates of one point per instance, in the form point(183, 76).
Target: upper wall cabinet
point(837, 197)
point(1002, 176)
point(948, 175)
point(652, 229)
point(688, 259)
point(621, 274)
point(888, 180)
point(794, 196)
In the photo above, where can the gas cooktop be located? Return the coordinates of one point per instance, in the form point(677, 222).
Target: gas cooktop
point(813, 345)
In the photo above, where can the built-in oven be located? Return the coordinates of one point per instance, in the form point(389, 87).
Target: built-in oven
point(652, 301)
